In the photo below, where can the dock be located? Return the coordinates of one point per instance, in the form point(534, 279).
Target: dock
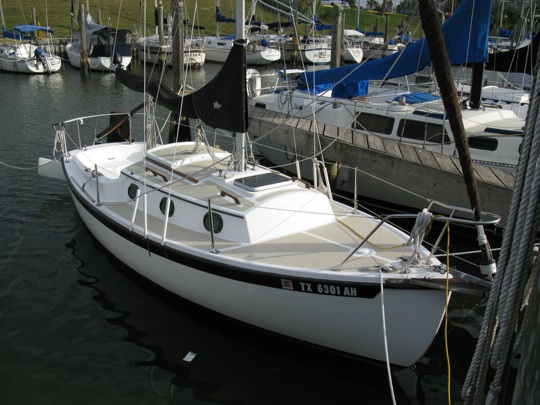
point(375, 165)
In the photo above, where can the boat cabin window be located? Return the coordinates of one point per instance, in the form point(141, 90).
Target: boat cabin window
point(132, 191)
point(262, 181)
point(216, 221)
point(422, 131)
point(483, 143)
point(163, 206)
point(374, 123)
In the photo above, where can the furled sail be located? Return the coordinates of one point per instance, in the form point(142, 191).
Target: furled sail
point(466, 37)
point(221, 103)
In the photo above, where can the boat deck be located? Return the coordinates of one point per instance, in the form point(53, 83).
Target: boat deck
point(328, 244)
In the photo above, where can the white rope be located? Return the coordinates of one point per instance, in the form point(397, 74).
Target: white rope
point(510, 287)
point(386, 342)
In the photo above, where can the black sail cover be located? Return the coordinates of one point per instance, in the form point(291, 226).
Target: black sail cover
point(520, 60)
point(221, 103)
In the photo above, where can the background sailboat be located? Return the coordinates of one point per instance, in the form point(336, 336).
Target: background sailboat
point(104, 47)
point(23, 51)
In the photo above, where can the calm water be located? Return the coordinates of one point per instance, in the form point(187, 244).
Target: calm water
point(78, 329)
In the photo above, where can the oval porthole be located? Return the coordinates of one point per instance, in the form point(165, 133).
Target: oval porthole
point(132, 191)
point(216, 219)
point(163, 206)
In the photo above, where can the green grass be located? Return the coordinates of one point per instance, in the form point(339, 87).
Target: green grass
point(125, 14)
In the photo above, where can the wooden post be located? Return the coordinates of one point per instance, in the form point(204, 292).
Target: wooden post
point(443, 73)
point(385, 48)
point(85, 66)
point(160, 35)
point(179, 130)
point(336, 59)
point(33, 21)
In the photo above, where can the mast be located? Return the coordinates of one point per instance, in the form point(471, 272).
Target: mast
point(2, 19)
point(240, 18)
point(443, 74)
point(217, 22)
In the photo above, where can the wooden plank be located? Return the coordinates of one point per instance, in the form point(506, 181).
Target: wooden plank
point(345, 135)
point(447, 163)
point(360, 139)
point(375, 142)
point(507, 178)
point(291, 121)
point(280, 119)
point(330, 131)
point(392, 148)
point(269, 115)
point(426, 157)
point(304, 124)
point(409, 153)
point(484, 173)
point(317, 127)
point(256, 112)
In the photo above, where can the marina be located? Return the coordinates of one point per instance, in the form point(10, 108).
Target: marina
point(82, 324)
point(77, 327)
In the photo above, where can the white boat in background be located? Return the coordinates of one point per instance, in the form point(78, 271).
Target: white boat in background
point(353, 52)
point(331, 3)
point(20, 55)
point(151, 50)
point(158, 48)
point(107, 48)
point(374, 46)
point(217, 229)
point(217, 50)
point(218, 47)
point(392, 122)
point(307, 50)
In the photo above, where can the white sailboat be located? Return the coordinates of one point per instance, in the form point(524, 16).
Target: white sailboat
point(158, 47)
point(217, 229)
point(218, 47)
point(26, 57)
point(23, 53)
point(106, 48)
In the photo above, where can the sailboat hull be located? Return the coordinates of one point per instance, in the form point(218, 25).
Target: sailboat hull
point(19, 58)
point(273, 266)
point(353, 325)
point(97, 63)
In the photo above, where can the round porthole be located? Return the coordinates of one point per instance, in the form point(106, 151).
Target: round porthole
point(216, 219)
point(132, 191)
point(163, 206)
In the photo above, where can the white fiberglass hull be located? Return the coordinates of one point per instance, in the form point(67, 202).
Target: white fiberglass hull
point(193, 57)
point(353, 54)
point(310, 54)
point(21, 59)
point(265, 57)
point(323, 316)
point(95, 63)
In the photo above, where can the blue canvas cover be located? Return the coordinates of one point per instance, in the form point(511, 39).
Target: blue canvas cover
point(465, 34)
point(416, 97)
point(23, 29)
point(27, 28)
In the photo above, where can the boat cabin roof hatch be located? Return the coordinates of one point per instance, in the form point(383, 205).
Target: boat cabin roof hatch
point(263, 181)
